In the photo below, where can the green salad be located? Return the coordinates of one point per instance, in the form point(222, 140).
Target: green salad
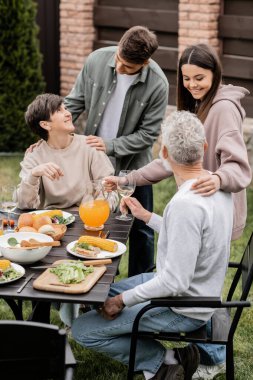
point(72, 272)
point(58, 219)
point(86, 246)
point(82, 245)
point(8, 274)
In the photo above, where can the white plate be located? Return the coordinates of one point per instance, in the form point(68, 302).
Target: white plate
point(64, 214)
point(102, 254)
point(18, 268)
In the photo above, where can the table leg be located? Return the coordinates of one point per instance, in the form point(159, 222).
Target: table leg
point(16, 308)
point(40, 312)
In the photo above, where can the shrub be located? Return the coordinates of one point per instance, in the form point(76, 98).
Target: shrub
point(20, 71)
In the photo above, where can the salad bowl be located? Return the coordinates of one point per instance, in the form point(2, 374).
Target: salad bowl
point(24, 255)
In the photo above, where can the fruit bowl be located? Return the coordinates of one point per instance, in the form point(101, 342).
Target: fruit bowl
point(23, 255)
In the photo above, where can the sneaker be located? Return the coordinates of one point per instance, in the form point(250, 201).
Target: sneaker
point(169, 372)
point(189, 358)
point(209, 371)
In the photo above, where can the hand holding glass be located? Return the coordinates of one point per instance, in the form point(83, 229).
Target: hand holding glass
point(125, 187)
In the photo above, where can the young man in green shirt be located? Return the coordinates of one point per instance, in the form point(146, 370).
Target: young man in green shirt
point(124, 94)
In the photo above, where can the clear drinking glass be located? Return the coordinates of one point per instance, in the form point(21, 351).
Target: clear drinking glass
point(8, 204)
point(125, 187)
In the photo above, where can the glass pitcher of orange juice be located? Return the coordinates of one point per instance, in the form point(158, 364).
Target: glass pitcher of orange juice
point(94, 209)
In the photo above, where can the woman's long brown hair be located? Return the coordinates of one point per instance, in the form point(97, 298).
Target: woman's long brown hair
point(203, 56)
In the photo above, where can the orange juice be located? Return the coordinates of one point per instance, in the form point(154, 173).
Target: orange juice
point(94, 213)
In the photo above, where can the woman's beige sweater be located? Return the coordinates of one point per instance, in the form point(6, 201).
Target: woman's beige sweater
point(80, 164)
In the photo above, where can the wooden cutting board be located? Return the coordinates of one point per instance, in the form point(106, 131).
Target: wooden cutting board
point(49, 282)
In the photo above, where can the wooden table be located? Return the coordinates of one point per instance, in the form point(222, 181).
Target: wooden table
point(119, 230)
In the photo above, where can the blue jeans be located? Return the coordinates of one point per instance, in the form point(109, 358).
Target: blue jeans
point(68, 312)
point(113, 337)
point(141, 238)
point(211, 354)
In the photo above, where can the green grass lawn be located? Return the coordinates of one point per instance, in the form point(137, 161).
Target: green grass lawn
point(94, 366)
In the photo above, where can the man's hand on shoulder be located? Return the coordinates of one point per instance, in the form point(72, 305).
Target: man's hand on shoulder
point(96, 142)
point(33, 146)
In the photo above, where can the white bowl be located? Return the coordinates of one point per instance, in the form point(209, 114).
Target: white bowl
point(23, 255)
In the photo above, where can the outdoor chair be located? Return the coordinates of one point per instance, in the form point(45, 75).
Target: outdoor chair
point(31, 350)
point(224, 323)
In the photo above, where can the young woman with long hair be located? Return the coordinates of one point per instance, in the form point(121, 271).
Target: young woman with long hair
point(218, 106)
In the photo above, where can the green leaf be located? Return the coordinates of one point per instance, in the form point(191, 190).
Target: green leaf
point(12, 242)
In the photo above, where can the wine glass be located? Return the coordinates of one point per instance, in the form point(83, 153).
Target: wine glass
point(8, 204)
point(125, 187)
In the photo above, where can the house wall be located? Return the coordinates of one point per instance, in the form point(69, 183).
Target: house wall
point(77, 34)
point(198, 20)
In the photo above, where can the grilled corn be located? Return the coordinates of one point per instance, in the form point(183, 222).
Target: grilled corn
point(107, 245)
point(5, 264)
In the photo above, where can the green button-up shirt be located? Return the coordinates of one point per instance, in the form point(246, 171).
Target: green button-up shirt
point(142, 113)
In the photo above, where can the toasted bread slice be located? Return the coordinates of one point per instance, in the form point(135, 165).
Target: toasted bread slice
point(86, 252)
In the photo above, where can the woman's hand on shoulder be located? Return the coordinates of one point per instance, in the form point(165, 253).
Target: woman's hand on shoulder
point(207, 185)
point(49, 169)
point(33, 146)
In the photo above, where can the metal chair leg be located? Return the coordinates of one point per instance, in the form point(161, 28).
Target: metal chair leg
point(134, 338)
point(230, 371)
point(130, 374)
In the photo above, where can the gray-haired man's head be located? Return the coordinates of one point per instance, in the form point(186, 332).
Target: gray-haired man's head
point(184, 137)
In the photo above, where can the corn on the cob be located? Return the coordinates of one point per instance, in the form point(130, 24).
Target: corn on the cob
point(5, 264)
point(107, 245)
point(50, 213)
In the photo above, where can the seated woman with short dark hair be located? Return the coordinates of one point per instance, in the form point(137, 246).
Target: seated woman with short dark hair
point(55, 174)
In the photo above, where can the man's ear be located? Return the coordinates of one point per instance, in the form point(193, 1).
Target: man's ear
point(165, 152)
point(205, 146)
point(45, 125)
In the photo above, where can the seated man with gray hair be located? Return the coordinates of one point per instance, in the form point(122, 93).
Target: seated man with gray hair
point(192, 258)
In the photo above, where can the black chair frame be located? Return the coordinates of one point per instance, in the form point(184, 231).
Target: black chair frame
point(32, 350)
point(223, 326)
